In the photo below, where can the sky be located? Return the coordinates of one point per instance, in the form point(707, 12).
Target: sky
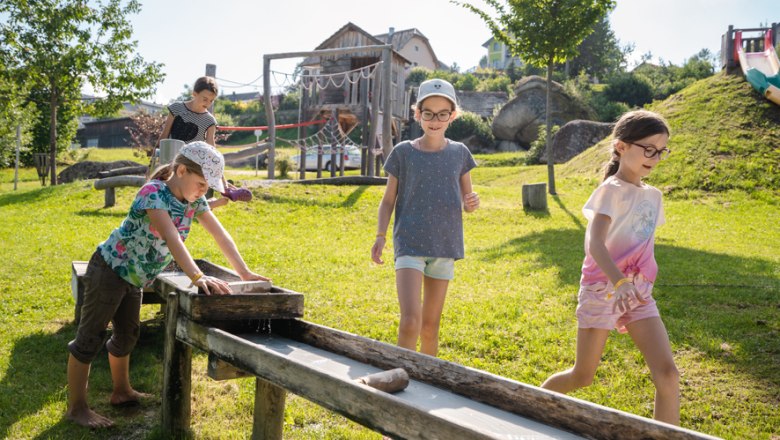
point(235, 34)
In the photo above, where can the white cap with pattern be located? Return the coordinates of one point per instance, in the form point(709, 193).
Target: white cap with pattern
point(210, 160)
point(437, 87)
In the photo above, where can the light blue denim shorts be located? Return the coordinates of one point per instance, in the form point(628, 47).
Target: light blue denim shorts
point(433, 267)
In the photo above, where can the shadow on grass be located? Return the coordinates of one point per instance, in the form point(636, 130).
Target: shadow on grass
point(31, 196)
point(102, 212)
point(349, 201)
point(706, 299)
point(36, 377)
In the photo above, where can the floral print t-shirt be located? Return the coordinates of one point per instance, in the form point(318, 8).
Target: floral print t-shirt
point(135, 249)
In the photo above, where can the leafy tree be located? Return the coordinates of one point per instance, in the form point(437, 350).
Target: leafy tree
point(14, 112)
point(667, 79)
point(467, 82)
point(543, 33)
point(600, 53)
point(145, 130)
point(59, 46)
point(417, 75)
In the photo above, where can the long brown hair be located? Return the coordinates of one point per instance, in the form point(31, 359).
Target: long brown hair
point(164, 172)
point(631, 127)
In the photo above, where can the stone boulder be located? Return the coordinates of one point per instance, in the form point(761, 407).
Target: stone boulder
point(520, 118)
point(90, 170)
point(575, 137)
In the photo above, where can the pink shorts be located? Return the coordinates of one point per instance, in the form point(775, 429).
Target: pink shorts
point(594, 310)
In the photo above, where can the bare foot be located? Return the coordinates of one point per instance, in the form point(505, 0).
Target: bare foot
point(130, 398)
point(86, 417)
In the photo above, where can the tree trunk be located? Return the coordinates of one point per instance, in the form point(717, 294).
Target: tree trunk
point(548, 117)
point(53, 135)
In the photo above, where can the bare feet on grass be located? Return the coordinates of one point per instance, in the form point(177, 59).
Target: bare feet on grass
point(84, 416)
point(127, 399)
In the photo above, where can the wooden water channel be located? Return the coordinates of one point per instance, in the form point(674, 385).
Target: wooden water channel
point(261, 334)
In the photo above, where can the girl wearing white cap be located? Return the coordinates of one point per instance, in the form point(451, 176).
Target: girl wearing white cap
point(428, 186)
point(134, 254)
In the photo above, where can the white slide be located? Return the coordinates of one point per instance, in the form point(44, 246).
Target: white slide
point(761, 69)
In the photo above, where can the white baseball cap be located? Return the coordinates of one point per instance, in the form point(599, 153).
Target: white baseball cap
point(437, 87)
point(210, 160)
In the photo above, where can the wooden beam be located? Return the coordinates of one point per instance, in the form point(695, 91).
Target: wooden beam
point(547, 407)
point(372, 408)
point(177, 377)
point(268, 418)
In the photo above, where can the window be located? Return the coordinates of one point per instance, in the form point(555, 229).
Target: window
point(495, 45)
point(416, 48)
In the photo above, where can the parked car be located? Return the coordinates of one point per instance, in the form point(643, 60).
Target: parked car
point(351, 158)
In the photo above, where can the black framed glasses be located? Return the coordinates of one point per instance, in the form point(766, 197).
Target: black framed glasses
point(441, 116)
point(651, 152)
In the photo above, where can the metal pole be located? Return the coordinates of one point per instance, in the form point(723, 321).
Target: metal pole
point(211, 70)
point(18, 147)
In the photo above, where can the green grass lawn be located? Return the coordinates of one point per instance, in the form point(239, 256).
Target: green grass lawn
point(510, 310)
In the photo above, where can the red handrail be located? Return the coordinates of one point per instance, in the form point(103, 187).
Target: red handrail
point(265, 127)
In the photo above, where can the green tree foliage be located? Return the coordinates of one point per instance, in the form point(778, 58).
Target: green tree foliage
point(667, 79)
point(14, 112)
point(55, 47)
point(633, 90)
point(468, 124)
point(600, 54)
point(417, 75)
point(467, 82)
point(543, 33)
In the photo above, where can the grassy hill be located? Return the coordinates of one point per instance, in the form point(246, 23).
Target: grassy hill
point(725, 136)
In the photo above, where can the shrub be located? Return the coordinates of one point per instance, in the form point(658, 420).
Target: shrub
point(539, 145)
point(632, 89)
point(468, 124)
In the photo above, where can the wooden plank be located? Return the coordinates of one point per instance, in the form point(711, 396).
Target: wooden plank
point(422, 411)
point(549, 408)
point(278, 303)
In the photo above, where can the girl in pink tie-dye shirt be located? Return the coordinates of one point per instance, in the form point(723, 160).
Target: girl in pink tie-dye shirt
point(619, 267)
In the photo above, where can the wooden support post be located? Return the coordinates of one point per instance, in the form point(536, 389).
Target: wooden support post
point(110, 197)
point(375, 90)
point(268, 423)
point(535, 196)
point(364, 126)
point(177, 377)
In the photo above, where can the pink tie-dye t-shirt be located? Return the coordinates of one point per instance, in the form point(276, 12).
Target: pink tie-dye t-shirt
point(635, 212)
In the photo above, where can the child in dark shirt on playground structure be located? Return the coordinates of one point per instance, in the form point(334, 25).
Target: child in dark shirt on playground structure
point(134, 254)
point(191, 121)
point(428, 186)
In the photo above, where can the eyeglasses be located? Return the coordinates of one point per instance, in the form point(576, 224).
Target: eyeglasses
point(651, 152)
point(441, 116)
